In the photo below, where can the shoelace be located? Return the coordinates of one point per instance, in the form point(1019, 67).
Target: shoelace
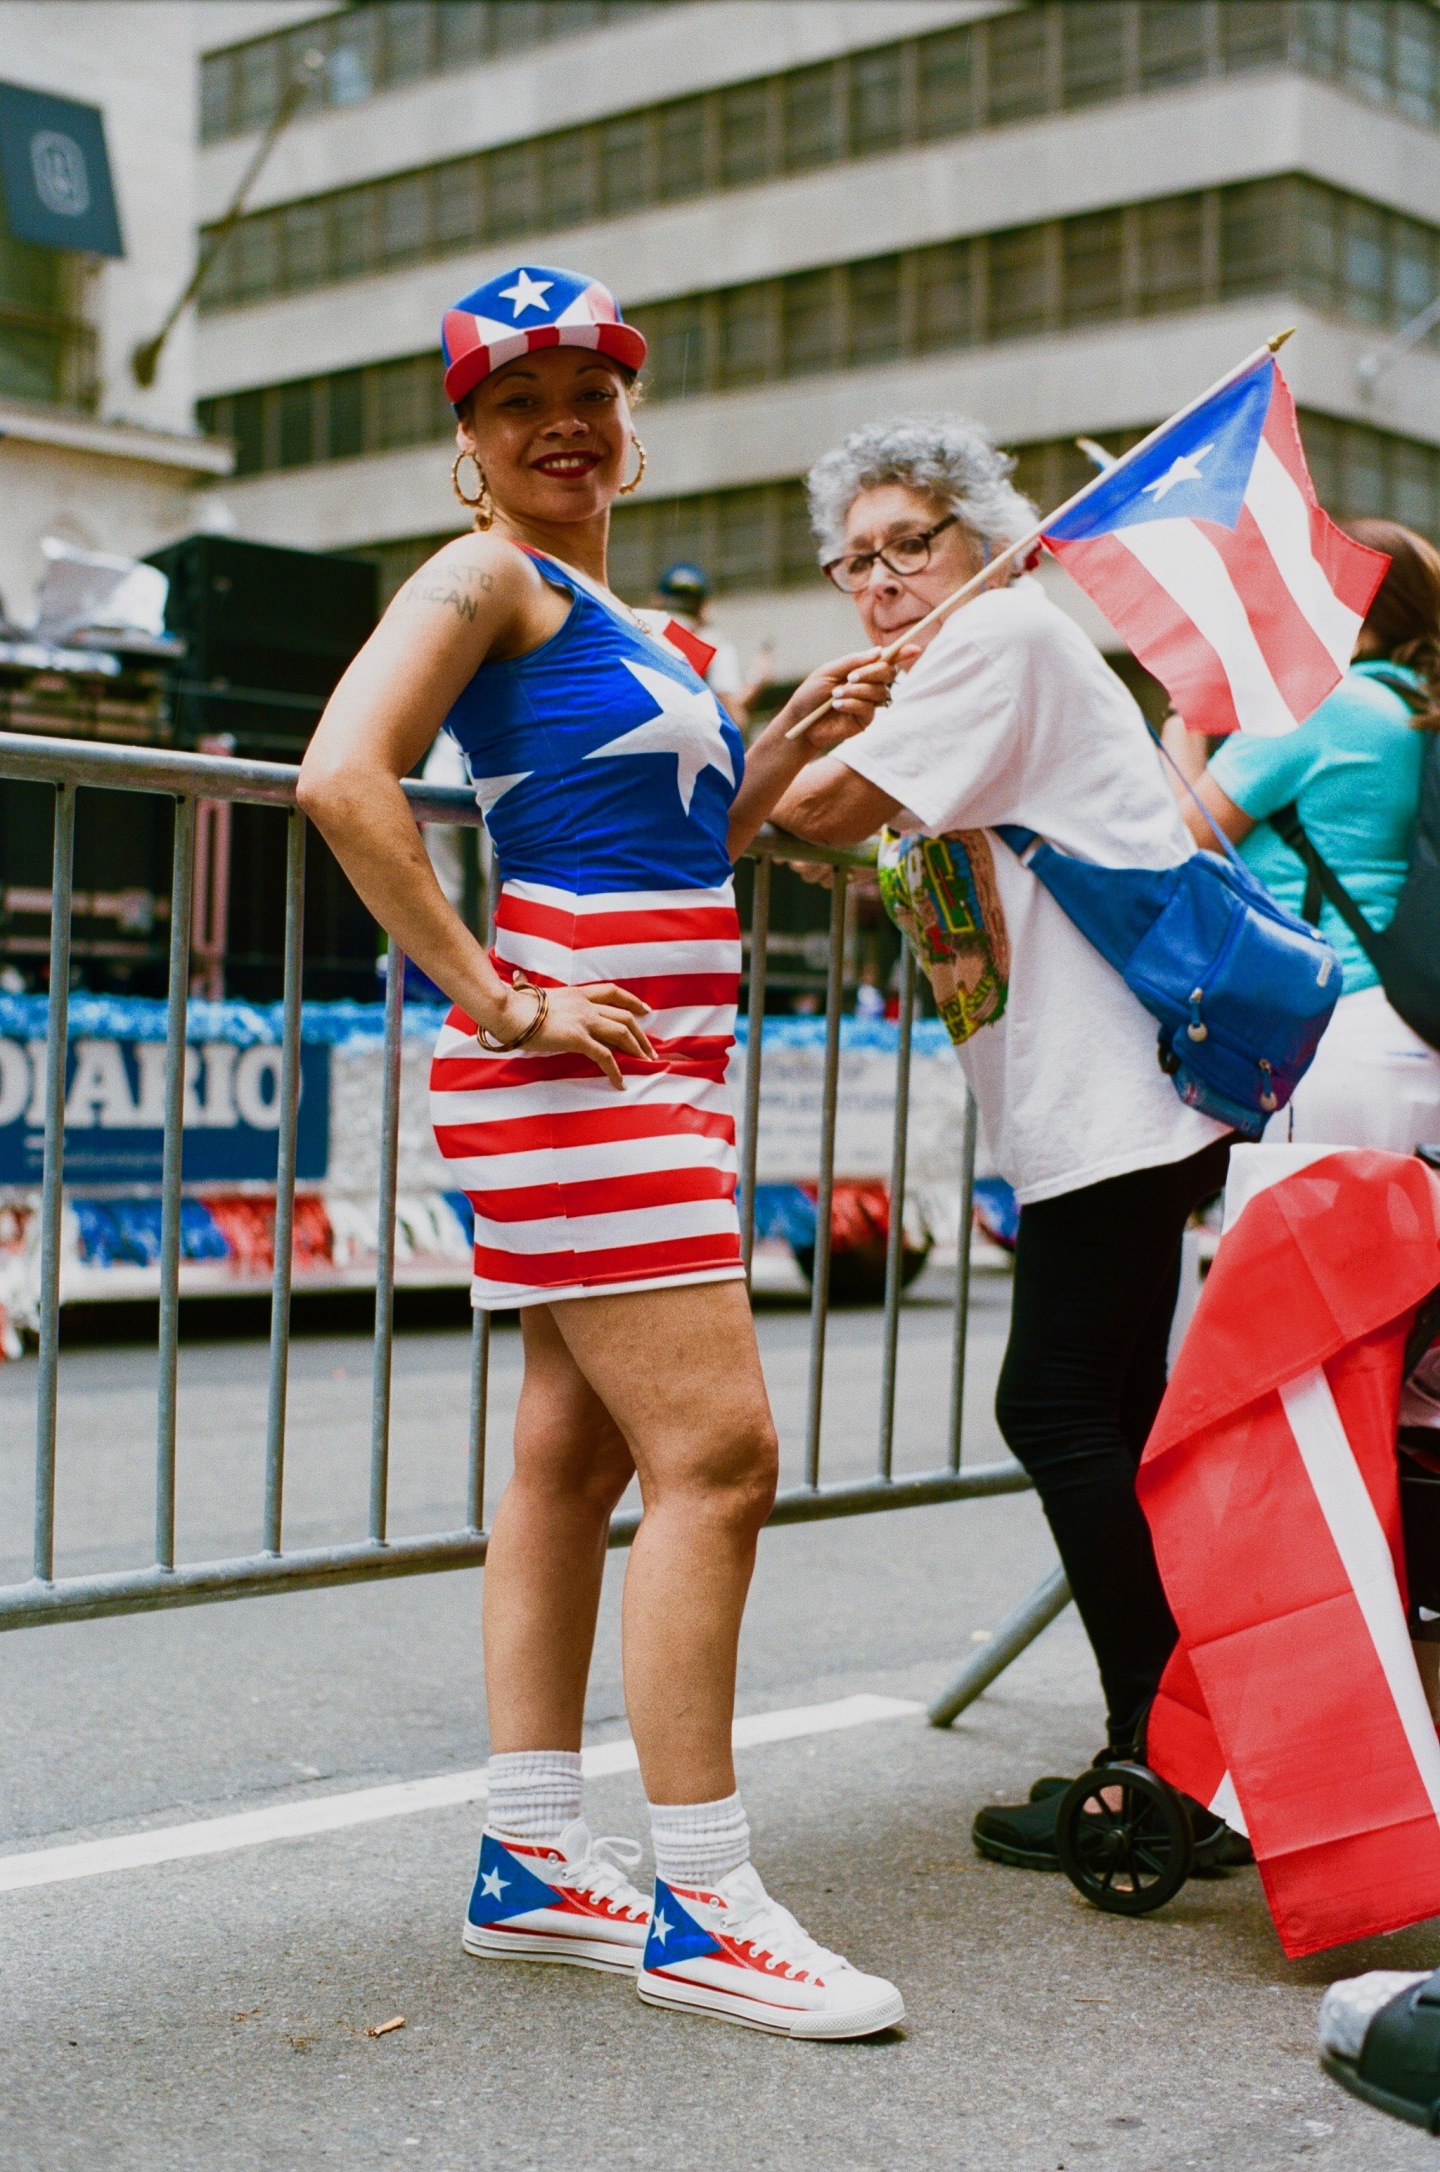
point(771, 1930)
point(604, 1871)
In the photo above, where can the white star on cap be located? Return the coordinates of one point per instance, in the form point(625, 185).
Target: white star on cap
point(1184, 468)
point(493, 1884)
point(661, 1928)
point(527, 293)
point(687, 726)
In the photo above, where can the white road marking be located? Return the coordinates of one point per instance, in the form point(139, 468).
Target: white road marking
point(332, 1813)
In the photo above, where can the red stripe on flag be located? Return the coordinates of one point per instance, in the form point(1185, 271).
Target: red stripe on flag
point(589, 931)
point(1163, 636)
point(604, 1195)
point(1285, 1660)
point(1281, 1647)
point(582, 1127)
point(1300, 664)
point(1180, 1739)
point(1352, 569)
point(618, 1263)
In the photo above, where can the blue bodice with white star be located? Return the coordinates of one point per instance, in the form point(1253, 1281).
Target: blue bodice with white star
point(601, 761)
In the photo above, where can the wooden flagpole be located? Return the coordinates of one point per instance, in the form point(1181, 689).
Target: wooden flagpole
point(1026, 543)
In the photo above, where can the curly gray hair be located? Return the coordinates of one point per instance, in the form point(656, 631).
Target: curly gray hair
point(950, 461)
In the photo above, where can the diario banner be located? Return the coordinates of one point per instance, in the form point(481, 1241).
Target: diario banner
point(115, 1111)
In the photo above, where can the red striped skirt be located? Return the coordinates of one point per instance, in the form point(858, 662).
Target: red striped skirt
point(578, 1189)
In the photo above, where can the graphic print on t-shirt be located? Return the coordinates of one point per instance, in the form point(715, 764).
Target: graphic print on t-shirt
point(942, 895)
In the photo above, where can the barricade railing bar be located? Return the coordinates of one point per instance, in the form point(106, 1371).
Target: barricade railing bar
point(67, 765)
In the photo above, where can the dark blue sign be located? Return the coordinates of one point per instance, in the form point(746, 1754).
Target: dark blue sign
point(115, 1112)
point(56, 173)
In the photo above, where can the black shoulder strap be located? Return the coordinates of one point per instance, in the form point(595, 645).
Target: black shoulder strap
point(1397, 682)
point(1322, 881)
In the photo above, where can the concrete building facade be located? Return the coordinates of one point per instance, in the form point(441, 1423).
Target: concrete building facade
point(88, 454)
point(1063, 218)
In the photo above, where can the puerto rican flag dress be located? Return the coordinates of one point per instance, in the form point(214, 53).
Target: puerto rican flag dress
point(605, 769)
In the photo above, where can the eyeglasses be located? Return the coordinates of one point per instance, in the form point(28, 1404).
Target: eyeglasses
point(902, 555)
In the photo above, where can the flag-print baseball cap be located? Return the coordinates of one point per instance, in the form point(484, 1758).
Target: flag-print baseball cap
point(535, 305)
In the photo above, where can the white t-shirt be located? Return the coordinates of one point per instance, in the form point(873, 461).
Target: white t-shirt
point(1011, 715)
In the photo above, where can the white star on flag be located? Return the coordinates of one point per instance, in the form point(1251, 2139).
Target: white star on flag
point(1184, 468)
point(527, 293)
point(493, 1884)
point(489, 789)
point(687, 726)
point(661, 1928)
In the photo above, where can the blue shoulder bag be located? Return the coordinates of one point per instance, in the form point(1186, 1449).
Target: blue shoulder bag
point(1242, 989)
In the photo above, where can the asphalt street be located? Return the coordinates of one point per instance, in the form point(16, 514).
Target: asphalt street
point(198, 2016)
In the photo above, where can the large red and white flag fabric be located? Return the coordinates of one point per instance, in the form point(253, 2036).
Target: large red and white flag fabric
point(1209, 552)
point(1293, 1704)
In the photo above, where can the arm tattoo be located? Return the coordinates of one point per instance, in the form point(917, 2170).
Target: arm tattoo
point(456, 588)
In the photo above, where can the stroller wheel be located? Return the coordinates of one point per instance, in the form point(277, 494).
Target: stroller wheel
point(1124, 1839)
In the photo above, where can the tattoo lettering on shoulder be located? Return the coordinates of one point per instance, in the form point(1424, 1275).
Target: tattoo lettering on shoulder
point(454, 587)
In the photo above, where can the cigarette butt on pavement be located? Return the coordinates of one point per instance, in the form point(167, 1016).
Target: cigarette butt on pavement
point(384, 2028)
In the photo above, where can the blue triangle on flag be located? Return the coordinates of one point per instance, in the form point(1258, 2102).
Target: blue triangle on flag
point(1197, 469)
point(504, 1887)
point(674, 1933)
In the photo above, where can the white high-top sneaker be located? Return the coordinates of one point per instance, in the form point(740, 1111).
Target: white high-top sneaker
point(731, 1951)
point(570, 1901)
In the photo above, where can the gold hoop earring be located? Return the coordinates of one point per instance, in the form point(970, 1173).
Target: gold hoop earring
point(482, 505)
point(626, 488)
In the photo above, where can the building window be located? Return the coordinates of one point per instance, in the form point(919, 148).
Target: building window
point(382, 45)
point(1334, 251)
point(1093, 266)
point(1020, 282)
point(47, 350)
point(1172, 42)
point(1027, 61)
point(1020, 52)
point(1093, 60)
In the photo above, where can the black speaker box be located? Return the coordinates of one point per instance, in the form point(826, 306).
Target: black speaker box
point(268, 632)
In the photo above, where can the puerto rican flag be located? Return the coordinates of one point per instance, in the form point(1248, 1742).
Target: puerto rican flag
point(1208, 551)
point(1293, 1705)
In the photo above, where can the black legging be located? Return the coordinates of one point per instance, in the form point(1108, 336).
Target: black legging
point(1097, 1272)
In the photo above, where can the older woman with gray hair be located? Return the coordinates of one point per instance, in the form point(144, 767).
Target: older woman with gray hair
point(1010, 715)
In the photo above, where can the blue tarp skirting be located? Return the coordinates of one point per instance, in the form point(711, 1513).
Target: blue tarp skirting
point(350, 1025)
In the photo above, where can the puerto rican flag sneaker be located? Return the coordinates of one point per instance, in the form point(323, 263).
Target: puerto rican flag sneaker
point(733, 1952)
point(566, 1901)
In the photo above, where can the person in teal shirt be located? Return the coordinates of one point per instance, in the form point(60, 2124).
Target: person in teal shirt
point(1353, 771)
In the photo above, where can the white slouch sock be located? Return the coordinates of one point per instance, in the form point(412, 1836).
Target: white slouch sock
point(534, 1794)
point(697, 1843)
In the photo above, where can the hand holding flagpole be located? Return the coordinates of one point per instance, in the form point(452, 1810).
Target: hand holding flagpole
point(1027, 543)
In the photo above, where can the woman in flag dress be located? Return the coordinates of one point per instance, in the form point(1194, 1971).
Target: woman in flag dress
point(579, 1094)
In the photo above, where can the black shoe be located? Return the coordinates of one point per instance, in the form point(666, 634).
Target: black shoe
point(1052, 1784)
point(1023, 1834)
point(1217, 1845)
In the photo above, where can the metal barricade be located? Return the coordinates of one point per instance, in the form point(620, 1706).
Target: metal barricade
point(190, 779)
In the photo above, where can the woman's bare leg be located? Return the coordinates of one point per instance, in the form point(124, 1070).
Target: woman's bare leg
point(679, 1372)
point(547, 1548)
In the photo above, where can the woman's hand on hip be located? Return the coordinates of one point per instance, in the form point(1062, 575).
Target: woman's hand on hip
point(600, 1021)
point(855, 687)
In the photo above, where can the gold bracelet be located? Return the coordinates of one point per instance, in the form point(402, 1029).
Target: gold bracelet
point(542, 1012)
